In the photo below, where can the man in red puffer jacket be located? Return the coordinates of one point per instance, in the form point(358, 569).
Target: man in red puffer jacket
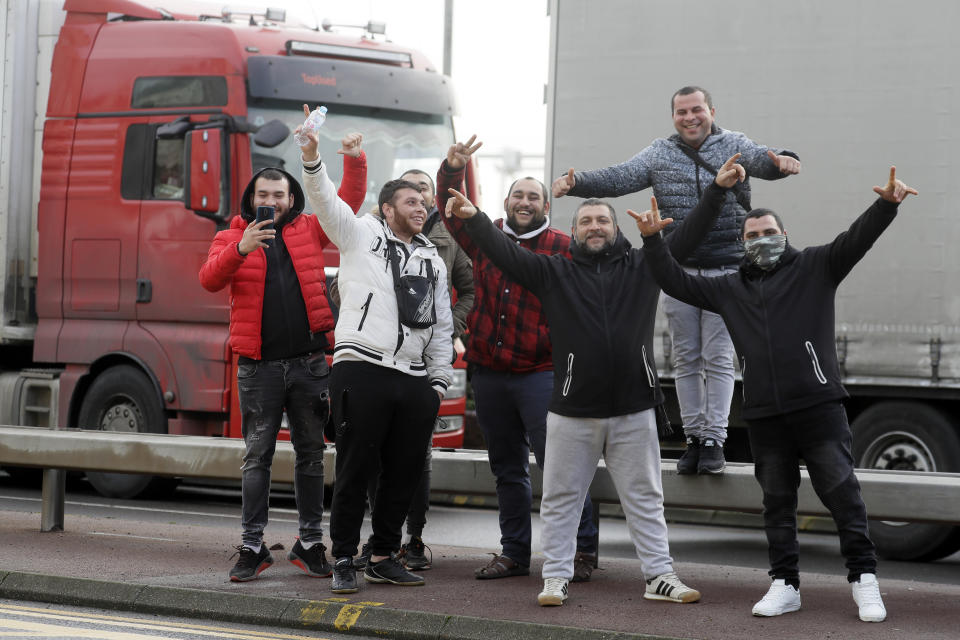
point(279, 316)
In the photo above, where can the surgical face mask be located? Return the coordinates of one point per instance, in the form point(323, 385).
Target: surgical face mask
point(765, 251)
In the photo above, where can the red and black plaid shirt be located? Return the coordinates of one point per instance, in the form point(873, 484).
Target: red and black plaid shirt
point(508, 330)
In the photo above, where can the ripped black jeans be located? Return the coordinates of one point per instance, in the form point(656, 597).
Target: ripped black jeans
point(267, 387)
point(820, 437)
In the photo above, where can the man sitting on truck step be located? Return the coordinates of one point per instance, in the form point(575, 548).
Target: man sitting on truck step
point(392, 365)
point(679, 168)
point(779, 308)
point(278, 318)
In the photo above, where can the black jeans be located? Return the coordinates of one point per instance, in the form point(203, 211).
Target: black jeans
point(384, 420)
point(266, 387)
point(820, 436)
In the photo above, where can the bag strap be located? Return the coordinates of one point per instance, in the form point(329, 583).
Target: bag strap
point(742, 197)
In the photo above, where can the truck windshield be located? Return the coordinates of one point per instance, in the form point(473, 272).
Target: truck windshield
point(394, 142)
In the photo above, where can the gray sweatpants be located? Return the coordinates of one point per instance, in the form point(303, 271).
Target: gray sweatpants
point(631, 451)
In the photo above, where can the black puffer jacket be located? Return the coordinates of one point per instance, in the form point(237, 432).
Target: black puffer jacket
point(781, 321)
point(601, 310)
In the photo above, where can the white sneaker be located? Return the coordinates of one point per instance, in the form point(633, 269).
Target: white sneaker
point(554, 592)
point(866, 593)
point(668, 587)
point(780, 599)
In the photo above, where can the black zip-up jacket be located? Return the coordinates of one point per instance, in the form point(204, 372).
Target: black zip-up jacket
point(600, 309)
point(781, 321)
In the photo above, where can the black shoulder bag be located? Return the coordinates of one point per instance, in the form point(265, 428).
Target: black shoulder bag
point(415, 299)
point(741, 194)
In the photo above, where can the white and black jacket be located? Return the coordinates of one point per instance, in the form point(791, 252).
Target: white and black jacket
point(368, 328)
point(781, 321)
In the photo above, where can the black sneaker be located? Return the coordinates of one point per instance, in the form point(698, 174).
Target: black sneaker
point(689, 461)
point(250, 563)
point(390, 571)
point(361, 561)
point(414, 555)
point(313, 561)
point(344, 576)
point(711, 457)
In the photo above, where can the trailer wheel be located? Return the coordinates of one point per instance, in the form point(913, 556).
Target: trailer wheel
point(122, 398)
point(908, 436)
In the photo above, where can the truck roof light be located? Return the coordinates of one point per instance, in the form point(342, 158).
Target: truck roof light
point(295, 47)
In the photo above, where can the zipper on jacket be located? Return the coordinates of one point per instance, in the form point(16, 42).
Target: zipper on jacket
point(650, 379)
point(817, 371)
point(569, 378)
point(366, 308)
point(770, 356)
point(743, 378)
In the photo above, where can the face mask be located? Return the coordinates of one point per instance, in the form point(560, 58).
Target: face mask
point(765, 251)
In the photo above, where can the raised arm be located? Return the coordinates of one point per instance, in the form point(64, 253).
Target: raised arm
point(850, 246)
point(527, 268)
point(620, 179)
point(450, 176)
point(764, 162)
point(353, 187)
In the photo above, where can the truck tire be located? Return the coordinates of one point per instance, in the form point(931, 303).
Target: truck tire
point(122, 398)
point(908, 436)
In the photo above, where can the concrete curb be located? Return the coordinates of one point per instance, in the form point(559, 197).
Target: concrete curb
point(329, 615)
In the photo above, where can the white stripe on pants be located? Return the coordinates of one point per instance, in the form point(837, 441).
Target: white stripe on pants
point(631, 450)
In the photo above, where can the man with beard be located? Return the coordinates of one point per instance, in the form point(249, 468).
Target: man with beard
point(510, 360)
point(779, 307)
point(679, 168)
point(278, 319)
point(601, 305)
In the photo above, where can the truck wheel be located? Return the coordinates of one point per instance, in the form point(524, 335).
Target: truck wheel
point(908, 436)
point(123, 399)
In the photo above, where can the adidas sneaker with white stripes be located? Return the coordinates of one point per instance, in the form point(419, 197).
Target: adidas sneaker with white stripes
point(668, 587)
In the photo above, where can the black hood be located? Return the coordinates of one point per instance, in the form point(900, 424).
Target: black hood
point(248, 213)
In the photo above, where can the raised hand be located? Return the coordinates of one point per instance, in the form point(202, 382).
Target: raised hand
point(458, 155)
point(649, 222)
point(894, 190)
point(309, 150)
point(459, 205)
point(350, 145)
point(255, 236)
point(787, 164)
point(562, 185)
point(731, 173)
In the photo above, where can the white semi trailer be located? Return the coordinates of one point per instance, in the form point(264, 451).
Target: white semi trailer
point(853, 88)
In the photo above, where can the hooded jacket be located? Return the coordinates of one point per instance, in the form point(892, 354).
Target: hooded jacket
point(368, 327)
point(678, 181)
point(782, 320)
point(294, 313)
point(601, 309)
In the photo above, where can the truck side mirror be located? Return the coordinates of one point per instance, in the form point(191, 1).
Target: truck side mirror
point(271, 134)
point(203, 188)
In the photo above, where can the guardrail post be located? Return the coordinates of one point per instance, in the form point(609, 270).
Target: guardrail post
point(52, 499)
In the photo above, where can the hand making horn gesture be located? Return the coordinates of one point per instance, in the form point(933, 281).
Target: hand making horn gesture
point(562, 185)
point(731, 172)
point(894, 190)
point(649, 222)
point(459, 205)
point(458, 155)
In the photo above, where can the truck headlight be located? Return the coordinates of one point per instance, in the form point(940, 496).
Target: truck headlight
point(457, 388)
point(447, 424)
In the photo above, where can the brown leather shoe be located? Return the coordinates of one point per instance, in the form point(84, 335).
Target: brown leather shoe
point(501, 567)
point(583, 564)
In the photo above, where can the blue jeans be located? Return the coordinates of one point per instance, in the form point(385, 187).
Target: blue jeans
point(512, 412)
point(266, 387)
point(820, 436)
point(703, 362)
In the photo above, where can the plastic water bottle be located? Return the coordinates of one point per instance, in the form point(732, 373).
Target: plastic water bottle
point(311, 125)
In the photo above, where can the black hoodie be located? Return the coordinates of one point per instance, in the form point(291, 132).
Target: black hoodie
point(601, 309)
point(284, 330)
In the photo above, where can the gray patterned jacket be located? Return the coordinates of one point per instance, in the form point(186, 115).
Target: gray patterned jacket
point(678, 183)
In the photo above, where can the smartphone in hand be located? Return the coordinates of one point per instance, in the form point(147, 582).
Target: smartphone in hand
point(266, 213)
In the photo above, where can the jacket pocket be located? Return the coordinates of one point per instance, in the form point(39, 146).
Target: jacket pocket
point(366, 309)
point(817, 371)
point(569, 378)
point(651, 379)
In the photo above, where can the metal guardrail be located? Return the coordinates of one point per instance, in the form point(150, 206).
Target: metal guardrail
point(889, 495)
